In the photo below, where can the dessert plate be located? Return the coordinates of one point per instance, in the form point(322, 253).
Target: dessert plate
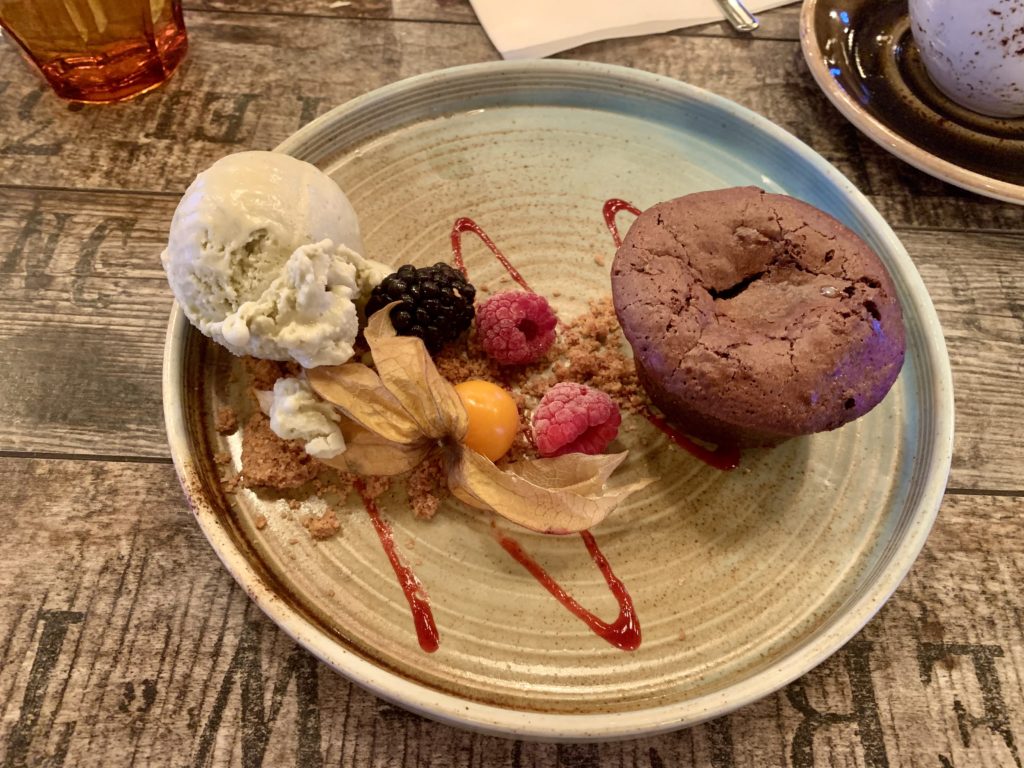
point(741, 581)
point(862, 55)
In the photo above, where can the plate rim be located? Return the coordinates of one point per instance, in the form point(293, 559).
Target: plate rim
point(884, 136)
point(541, 726)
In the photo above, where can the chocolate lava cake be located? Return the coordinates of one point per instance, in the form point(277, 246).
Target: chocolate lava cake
point(756, 317)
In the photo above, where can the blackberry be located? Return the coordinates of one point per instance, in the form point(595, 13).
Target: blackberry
point(436, 303)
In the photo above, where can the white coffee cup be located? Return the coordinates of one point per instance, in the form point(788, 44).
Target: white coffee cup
point(973, 50)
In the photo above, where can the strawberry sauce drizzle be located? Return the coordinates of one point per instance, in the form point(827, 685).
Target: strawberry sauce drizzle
point(622, 633)
point(468, 225)
point(722, 457)
point(612, 207)
point(419, 604)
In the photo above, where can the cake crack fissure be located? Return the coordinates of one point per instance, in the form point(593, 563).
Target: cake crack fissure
point(756, 317)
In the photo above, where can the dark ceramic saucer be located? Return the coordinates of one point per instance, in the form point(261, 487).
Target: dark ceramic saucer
point(863, 57)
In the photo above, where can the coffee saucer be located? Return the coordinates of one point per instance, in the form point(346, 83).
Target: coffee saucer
point(862, 55)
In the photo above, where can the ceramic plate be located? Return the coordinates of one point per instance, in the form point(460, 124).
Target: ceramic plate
point(863, 57)
point(741, 580)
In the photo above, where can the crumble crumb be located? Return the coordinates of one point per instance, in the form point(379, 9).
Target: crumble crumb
point(375, 485)
point(339, 483)
point(427, 487)
point(263, 373)
point(593, 354)
point(226, 420)
point(222, 457)
point(324, 526)
point(260, 521)
point(270, 462)
point(467, 360)
point(589, 349)
point(599, 260)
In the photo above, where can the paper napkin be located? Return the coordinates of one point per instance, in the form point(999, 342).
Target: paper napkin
point(525, 29)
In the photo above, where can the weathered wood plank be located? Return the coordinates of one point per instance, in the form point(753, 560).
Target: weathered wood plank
point(772, 79)
point(982, 319)
point(86, 306)
point(122, 639)
point(455, 11)
point(248, 82)
point(779, 24)
point(251, 80)
point(134, 647)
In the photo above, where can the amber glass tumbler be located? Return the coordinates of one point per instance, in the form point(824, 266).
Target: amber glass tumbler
point(98, 50)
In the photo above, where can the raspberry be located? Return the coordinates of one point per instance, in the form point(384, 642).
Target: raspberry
point(516, 328)
point(575, 418)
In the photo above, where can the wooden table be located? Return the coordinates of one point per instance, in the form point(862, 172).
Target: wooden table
point(122, 639)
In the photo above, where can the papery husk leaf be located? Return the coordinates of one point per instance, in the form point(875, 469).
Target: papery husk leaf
point(405, 368)
point(367, 453)
point(576, 472)
point(556, 509)
point(359, 392)
point(397, 415)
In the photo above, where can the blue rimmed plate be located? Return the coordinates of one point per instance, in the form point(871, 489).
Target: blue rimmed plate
point(742, 581)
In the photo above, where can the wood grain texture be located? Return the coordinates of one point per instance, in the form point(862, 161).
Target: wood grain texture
point(453, 11)
point(781, 23)
point(86, 308)
point(134, 647)
point(251, 80)
point(248, 82)
point(123, 641)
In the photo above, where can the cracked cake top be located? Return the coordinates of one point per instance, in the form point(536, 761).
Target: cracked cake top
point(755, 317)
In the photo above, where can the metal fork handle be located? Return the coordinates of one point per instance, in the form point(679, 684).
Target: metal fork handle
point(737, 15)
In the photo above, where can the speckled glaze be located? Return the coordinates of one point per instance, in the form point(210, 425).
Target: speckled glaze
point(973, 51)
point(863, 56)
point(742, 581)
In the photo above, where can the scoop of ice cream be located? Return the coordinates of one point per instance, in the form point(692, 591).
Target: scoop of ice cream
point(306, 314)
point(263, 257)
point(297, 414)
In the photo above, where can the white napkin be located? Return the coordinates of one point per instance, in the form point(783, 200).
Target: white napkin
point(524, 29)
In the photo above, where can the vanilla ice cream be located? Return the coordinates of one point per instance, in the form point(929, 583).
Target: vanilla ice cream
point(264, 257)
